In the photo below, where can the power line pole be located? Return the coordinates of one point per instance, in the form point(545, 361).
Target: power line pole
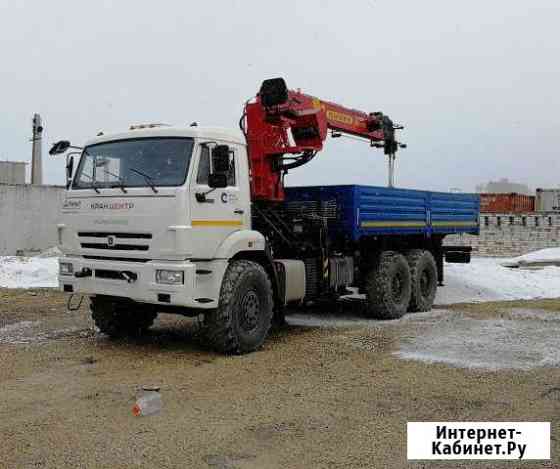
point(36, 151)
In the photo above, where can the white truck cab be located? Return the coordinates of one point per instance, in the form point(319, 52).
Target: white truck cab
point(141, 223)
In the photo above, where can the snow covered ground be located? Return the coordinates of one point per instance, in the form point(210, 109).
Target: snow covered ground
point(28, 272)
point(519, 339)
point(484, 279)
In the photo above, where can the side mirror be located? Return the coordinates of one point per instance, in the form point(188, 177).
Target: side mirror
point(220, 159)
point(59, 147)
point(217, 180)
point(69, 171)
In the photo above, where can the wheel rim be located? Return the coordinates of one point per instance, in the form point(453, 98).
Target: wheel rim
point(250, 308)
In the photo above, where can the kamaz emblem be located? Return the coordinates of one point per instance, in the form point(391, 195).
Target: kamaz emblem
point(111, 240)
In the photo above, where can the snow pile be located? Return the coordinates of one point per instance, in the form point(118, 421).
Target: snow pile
point(550, 256)
point(485, 279)
point(28, 272)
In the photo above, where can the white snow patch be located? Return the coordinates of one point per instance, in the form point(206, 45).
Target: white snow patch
point(329, 320)
point(491, 344)
point(551, 255)
point(484, 279)
point(29, 332)
point(16, 333)
point(28, 272)
point(16, 327)
point(51, 252)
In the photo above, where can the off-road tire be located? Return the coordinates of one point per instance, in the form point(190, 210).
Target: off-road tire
point(119, 320)
point(243, 318)
point(388, 287)
point(423, 276)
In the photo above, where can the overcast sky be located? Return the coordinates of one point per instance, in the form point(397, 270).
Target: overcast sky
point(475, 83)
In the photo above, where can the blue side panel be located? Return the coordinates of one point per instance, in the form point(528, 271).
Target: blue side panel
point(391, 211)
point(455, 213)
point(370, 211)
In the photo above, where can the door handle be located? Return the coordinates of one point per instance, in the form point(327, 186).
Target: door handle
point(239, 211)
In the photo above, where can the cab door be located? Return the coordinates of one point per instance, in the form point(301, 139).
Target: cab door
point(216, 213)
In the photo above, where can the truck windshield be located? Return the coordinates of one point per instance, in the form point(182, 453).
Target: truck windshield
point(140, 162)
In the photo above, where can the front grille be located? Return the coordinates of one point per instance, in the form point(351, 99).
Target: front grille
point(119, 259)
point(112, 241)
point(116, 247)
point(97, 234)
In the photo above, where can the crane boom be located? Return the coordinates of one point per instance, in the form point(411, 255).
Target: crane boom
point(282, 122)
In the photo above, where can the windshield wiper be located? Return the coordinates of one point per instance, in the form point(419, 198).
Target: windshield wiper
point(149, 179)
point(93, 182)
point(91, 178)
point(121, 186)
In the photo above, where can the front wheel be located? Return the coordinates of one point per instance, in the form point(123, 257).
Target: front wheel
point(243, 318)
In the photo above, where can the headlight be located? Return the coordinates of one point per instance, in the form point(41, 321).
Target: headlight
point(170, 277)
point(65, 268)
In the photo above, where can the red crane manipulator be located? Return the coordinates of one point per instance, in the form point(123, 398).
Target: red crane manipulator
point(282, 122)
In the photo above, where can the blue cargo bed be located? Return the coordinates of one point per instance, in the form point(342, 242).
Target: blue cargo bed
point(355, 211)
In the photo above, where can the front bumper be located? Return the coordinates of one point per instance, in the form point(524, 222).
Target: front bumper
point(201, 287)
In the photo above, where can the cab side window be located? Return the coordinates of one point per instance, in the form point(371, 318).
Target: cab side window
point(204, 167)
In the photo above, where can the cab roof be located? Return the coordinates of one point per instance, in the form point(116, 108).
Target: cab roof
point(203, 133)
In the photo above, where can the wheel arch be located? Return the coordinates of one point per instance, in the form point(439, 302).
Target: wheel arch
point(239, 242)
point(264, 258)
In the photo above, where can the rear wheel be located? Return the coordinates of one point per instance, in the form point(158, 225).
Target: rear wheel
point(423, 275)
point(118, 319)
point(243, 318)
point(388, 287)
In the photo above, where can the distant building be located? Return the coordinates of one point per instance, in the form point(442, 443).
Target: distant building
point(12, 172)
point(504, 186)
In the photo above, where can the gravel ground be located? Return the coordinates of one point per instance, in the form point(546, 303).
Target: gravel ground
point(329, 391)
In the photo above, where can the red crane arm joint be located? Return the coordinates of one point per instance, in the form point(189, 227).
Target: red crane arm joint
point(282, 122)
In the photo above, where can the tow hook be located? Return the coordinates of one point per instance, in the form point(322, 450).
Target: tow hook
point(130, 277)
point(85, 272)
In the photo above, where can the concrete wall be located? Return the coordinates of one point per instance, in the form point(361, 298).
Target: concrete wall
point(12, 172)
point(28, 218)
point(509, 235)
